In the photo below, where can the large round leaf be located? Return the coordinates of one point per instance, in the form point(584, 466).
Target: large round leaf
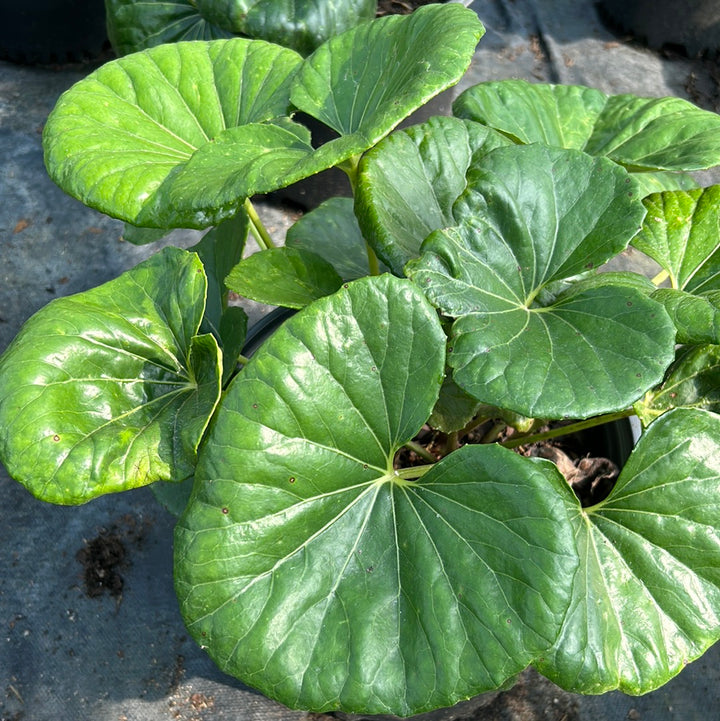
point(531, 218)
point(111, 389)
point(309, 569)
point(646, 599)
point(116, 137)
point(641, 133)
point(408, 183)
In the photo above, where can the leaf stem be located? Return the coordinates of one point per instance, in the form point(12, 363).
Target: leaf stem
point(661, 277)
point(373, 264)
point(566, 430)
point(413, 472)
point(257, 228)
point(422, 452)
point(242, 359)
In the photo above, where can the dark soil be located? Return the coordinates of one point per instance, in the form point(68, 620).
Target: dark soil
point(591, 477)
point(104, 557)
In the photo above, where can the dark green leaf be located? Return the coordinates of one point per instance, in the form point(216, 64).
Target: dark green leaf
point(121, 134)
point(111, 389)
point(533, 216)
point(454, 408)
point(408, 183)
point(331, 230)
point(693, 381)
point(289, 277)
point(303, 25)
point(138, 24)
point(646, 596)
point(681, 233)
point(316, 574)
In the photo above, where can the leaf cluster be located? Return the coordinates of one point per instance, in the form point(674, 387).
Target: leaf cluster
point(465, 280)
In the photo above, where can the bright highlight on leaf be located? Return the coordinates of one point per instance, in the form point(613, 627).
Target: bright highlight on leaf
point(111, 389)
point(315, 573)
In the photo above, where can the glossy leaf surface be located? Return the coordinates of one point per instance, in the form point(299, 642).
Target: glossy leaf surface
point(640, 133)
point(111, 389)
point(117, 137)
point(409, 182)
point(298, 24)
point(533, 216)
point(693, 381)
point(646, 596)
point(288, 277)
point(681, 233)
point(313, 572)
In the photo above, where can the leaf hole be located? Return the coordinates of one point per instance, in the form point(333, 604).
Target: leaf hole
point(291, 479)
point(56, 438)
point(225, 511)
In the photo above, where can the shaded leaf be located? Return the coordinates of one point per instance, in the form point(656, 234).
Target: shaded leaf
point(289, 277)
point(314, 573)
point(303, 25)
point(408, 183)
point(134, 25)
point(646, 595)
point(331, 230)
point(111, 389)
point(681, 233)
point(533, 216)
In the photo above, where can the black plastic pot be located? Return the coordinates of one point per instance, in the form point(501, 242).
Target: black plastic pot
point(693, 25)
point(52, 31)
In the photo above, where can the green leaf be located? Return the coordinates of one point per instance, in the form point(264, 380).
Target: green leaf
point(454, 408)
point(364, 82)
point(331, 230)
point(532, 216)
point(138, 24)
point(558, 115)
point(640, 133)
point(312, 571)
point(289, 277)
point(111, 389)
point(646, 596)
point(681, 233)
point(693, 381)
point(656, 182)
point(696, 317)
point(408, 183)
point(303, 25)
point(298, 24)
point(118, 137)
point(220, 250)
